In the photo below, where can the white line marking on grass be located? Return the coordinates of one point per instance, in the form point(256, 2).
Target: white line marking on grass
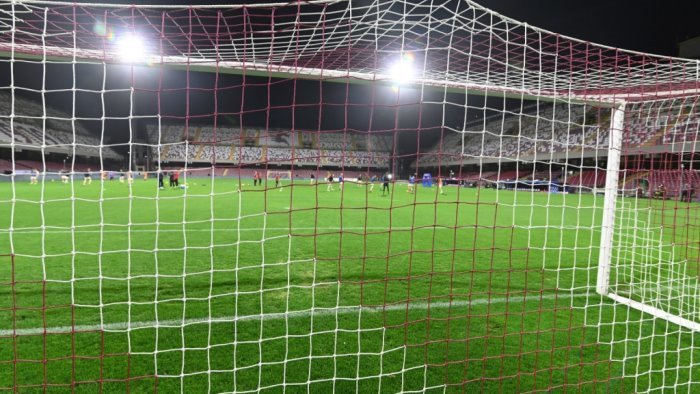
point(179, 230)
point(341, 310)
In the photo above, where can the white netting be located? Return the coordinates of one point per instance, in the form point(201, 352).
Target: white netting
point(547, 241)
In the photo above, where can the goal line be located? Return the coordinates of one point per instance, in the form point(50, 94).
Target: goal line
point(272, 316)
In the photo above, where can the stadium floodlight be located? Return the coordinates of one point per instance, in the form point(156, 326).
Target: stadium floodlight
point(402, 71)
point(131, 48)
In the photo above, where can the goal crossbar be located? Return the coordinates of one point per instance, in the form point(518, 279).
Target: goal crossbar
point(272, 70)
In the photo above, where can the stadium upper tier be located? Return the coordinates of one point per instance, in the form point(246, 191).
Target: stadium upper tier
point(56, 132)
point(548, 132)
point(203, 144)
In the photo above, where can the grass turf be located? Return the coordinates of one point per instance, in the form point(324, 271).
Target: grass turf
point(209, 289)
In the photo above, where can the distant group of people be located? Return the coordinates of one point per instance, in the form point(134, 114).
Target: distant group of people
point(687, 191)
point(173, 177)
point(65, 176)
point(34, 177)
point(413, 178)
point(385, 179)
point(371, 180)
point(660, 191)
point(331, 180)
point(258, 180)
point(124, 176)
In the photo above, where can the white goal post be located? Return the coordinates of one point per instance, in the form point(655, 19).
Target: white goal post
point(617, 120)
point(663, 288)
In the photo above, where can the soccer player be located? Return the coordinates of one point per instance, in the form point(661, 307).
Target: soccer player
point(385, 183)
point(87, 178)
point(277, 181)
point(34, 178)
point(160, 179)
point(359, 180)
point(121, 176)
point(372, 181)
point(329, 178)
point(129, 178)
point(411, 183)
point(340, 181)
point(176, 178)
point(313, 179)
point(439, 182)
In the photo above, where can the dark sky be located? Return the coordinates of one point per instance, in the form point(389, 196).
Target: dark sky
point(654, 26)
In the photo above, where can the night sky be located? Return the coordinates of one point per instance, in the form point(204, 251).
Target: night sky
point(644, 25)
point(653, 26)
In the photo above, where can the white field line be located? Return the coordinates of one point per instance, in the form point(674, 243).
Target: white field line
point(179, 230)
point(341, 310)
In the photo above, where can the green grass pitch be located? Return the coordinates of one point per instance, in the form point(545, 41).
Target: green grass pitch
point(303, 290)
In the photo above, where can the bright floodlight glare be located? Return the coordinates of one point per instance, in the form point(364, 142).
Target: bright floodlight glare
point(402, 72)
point(131, 49)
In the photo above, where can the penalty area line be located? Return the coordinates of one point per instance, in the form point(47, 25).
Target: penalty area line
point(341, 310)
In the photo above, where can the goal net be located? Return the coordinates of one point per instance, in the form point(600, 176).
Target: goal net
point(282, 175)
point(563, 256)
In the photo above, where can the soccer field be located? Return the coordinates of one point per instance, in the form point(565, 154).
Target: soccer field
point(209, 289)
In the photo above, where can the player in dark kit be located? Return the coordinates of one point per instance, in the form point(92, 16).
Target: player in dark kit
point(329, 178)
point(160, 179)
point(385, 183)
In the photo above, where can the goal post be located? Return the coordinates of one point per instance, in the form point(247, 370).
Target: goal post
point(617, 124)
point(644, 268)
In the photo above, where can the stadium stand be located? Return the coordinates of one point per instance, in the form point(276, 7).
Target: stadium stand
point(538, 132)
point(588, 179)
point(57, 135)
point(198, 144)
point(673, 180)
point(544, 133)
